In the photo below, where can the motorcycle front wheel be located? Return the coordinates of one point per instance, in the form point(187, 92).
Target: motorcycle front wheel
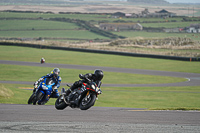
point(60, 103)
point(38, 97)
point(87, 101)
point(32, 97)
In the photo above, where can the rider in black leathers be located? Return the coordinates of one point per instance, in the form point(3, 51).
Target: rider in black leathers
point(87, 78)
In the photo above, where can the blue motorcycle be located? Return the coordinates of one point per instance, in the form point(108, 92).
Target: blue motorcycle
point(42, 93)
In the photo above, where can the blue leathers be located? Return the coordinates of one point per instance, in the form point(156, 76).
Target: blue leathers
point(56, 80)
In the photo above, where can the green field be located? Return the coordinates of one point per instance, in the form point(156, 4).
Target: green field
point(86, 17)
point(35, 25)
point(16, 25)
point(133, 97)
point(40, 28)
point(52, 34)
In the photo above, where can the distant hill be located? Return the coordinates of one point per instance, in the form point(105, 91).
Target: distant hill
point(157, 2)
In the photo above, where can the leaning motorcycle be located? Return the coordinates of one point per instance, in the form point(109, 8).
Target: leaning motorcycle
point(42, 93)
point(82, 97)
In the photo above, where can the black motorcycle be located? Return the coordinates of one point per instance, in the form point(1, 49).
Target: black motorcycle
point(82, 97)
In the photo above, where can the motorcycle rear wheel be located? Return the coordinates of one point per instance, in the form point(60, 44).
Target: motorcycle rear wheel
point(60, 103)
point(86, 104)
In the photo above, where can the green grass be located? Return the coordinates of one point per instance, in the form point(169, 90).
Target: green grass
point(86, 17)
point(184, 98)
point(27, 73)
point(151, 97)
point(40, 28)
point(83, 58)
point(20, 96)
point(36, 24)
point(77, 34)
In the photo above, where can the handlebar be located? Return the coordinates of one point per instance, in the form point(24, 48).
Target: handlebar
point(68, 85)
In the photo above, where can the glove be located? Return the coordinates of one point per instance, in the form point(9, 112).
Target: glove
point(99, 92)
point(35, 84)
point(54, 88)
point(81, 76)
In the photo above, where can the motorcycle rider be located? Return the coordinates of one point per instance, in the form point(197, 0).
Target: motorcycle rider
point(87, 78)
point(54, 75)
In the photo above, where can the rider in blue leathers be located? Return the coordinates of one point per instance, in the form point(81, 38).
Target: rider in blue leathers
point(54, 75)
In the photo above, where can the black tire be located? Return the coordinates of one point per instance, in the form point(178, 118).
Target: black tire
point(34, 101)
point(86, 105)
point(38, 97)
point(30, 100)
point(60, 104)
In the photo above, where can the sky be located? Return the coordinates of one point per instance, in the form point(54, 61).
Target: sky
point(183, 1)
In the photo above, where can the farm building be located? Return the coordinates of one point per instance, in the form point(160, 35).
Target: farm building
point(158, 14)
point(194, 28)
point(165, 13)
point(118, 15)
point(120, 26)
point(144, 14)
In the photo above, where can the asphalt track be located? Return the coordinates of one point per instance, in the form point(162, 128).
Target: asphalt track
point(29, 118)
point(45, 118)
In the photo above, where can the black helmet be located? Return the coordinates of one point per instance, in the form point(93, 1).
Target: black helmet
point(56, 72)
point(98, 74)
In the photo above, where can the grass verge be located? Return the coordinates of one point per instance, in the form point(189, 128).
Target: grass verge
point(32, 73)
point(83, 58)
point(153, 98)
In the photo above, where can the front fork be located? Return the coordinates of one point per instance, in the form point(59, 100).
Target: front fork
point(87, 95)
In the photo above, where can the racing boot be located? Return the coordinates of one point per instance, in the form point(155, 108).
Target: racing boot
point(70, 97)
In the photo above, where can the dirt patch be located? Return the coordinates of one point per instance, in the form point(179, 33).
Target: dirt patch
point(5, 92)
